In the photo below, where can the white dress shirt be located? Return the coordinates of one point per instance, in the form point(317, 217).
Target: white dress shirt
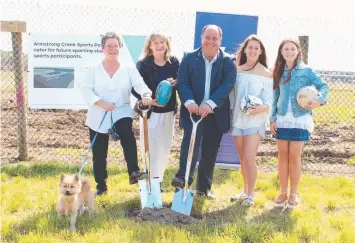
point(98, 85)
point(208, 67)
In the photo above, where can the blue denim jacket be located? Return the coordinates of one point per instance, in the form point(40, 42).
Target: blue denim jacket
point(301, 76)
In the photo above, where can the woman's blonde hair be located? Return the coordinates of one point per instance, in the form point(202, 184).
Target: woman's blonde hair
point(148, 41)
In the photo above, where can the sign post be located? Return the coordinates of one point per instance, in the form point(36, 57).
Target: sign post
point(17, 28)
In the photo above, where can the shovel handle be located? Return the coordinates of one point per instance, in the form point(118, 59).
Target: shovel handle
point(191, 151)
point(145, 128)
point(195, 123)
point(143, 108)
point(145, 148)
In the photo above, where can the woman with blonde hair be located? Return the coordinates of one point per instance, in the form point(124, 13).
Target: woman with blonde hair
point(157, 65)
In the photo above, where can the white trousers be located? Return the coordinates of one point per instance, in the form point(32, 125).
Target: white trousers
point(160, 133)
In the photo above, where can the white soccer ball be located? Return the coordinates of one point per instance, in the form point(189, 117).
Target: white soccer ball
point(306, 94)
point(249, 101)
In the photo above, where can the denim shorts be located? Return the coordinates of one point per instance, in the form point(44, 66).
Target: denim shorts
point(292, 134)
point(249, 131)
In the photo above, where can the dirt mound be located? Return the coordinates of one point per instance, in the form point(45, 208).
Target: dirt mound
point(164, 216)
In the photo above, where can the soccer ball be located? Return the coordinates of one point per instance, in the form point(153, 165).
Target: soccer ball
point(163, 93)
point(249, 101)
point(306, 94)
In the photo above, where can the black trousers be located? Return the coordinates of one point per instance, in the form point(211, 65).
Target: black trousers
point(209, 137)
point(99, 150)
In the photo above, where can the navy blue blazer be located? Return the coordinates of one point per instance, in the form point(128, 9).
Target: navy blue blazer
point(191, 85)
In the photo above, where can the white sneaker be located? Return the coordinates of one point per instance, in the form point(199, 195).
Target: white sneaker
point(238, 197)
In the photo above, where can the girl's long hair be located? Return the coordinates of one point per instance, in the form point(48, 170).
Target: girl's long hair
point(280, 63)
point(242, 57)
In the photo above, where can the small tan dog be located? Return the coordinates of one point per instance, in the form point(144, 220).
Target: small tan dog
point(74, 191)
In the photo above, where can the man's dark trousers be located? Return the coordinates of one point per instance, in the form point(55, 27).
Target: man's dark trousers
point(209, 137)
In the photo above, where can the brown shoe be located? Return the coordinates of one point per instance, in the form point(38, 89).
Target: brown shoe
point(178, 183)
point(136, 176)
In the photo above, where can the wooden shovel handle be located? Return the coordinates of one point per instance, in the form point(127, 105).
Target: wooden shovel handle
point(146, 140)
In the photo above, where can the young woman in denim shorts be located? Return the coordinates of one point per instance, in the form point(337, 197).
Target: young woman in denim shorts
point(253, 78)
point(290, 123)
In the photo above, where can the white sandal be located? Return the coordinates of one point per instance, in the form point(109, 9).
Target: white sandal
point(248, 202)
point(238, 197)
point(279, 202)
point(294, 202)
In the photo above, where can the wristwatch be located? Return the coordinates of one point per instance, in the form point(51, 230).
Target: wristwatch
point(147, 95)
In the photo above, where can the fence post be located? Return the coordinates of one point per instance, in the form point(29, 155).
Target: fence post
point(304, 42)
point(17, 28)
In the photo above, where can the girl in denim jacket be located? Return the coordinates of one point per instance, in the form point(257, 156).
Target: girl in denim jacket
point(290, 123)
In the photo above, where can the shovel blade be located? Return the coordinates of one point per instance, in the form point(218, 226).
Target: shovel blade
point(150, 198)
point(179, 204)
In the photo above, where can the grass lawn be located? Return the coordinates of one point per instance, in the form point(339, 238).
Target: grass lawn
point(29, 192)
point(340, 106)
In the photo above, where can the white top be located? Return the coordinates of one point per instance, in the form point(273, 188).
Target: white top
point(97, 84)
point(289, 121)
point(251, 84)
point(208, 67)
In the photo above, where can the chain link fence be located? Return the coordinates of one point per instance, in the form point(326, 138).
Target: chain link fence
point(61, 135)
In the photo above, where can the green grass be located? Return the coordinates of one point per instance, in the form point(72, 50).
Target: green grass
point(340, 106)
point(29, 193)
point(350, 161)
point(70, 151)
point(267, 160)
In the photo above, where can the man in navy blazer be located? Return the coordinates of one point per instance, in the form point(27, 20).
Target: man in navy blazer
point(205, 79)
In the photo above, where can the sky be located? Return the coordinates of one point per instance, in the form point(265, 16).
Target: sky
point(321, 9)
point(329, 25)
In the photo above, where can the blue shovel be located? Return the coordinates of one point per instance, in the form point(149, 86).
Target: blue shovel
point(149, 189)
point(183, 198)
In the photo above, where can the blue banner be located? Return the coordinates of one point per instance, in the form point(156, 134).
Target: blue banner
point(135, 44)
point(235, 28)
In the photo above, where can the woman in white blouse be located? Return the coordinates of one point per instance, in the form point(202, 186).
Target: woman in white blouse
point(253, 79)
point(107, 88)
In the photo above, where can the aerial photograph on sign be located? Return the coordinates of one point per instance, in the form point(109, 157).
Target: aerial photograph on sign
point(52, 77)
